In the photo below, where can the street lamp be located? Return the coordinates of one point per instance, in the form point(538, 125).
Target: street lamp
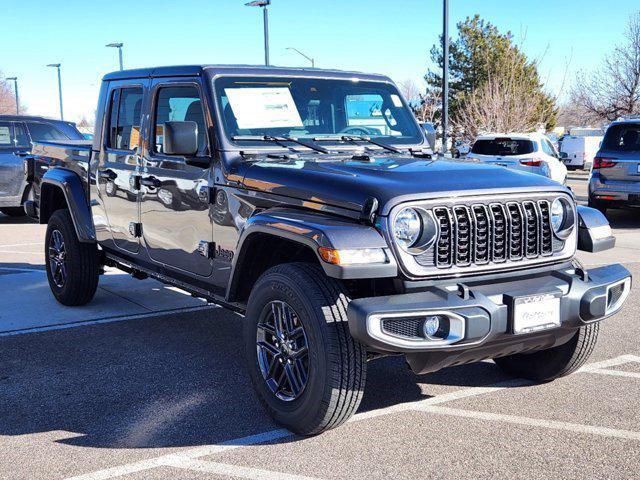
point(57, 65)
point(265, 15)
point(445, 75)
point(15, 89)
point(313, 62)
point(119, 47)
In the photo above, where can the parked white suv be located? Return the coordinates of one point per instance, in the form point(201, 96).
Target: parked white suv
point(529, 152)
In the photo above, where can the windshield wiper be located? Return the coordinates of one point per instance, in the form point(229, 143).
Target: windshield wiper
point(351, 138)
point(280, 141)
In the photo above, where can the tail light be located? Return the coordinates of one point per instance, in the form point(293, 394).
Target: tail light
point(604, 162)
point(531, 162)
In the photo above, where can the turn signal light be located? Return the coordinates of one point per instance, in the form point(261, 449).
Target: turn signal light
point(361, 256)
point(604, 162)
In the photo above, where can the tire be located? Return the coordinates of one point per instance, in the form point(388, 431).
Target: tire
point(336, 363)
point(79, 261)
point(13, 211)
point(556, 362)
point(110, 188)
point(599, 205)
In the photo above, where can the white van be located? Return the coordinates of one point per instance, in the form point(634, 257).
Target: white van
point(579, 150)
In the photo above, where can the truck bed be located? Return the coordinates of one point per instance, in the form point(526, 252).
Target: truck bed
point(69, 150)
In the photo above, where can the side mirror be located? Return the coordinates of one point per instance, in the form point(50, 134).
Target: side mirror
point(563, 155)
point(594, 231)
point(180, 138)
point(430, 133)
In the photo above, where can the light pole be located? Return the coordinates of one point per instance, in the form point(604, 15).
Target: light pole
point(445, 75)
point(313, 62)
point(57, 65)
point(265, 15)
point(15, 89)
point(119, 47)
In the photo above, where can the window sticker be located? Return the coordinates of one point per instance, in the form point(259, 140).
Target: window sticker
point(263, 107)
point(396, 100)
point(5, 137)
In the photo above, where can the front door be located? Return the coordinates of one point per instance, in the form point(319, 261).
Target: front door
point(120, 163)
point(13, 144)
point(174, 208)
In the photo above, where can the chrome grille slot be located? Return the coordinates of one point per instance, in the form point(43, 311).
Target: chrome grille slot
point(532, 235)
point(499, 233)
point(463, 242)
point(482, 234)
point(516, 229)
point(443, 251)
point(546, 234)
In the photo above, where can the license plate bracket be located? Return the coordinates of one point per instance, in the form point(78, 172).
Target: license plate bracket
point(530, 313)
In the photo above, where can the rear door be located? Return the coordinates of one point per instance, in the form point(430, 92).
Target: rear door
point(621, 148)
point(120, 162)
point(175, 194)
point(14, 143)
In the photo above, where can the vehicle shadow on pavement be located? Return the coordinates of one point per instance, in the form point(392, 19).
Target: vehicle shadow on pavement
point(7, 220)
point(169, 381)
point(624, 218)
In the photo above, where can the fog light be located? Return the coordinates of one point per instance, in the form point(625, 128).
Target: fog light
point(432, 325)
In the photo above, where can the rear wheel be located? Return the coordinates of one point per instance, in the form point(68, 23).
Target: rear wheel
point(72, 266)
point(307, 370)
point(600, 205)
point(13, 211)
point(556, 362)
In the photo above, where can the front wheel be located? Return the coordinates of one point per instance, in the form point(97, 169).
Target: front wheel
point(552, 363)
point(72, 266)
point(307, 370)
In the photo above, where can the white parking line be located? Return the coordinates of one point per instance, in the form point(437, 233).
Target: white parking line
point(534, 422)
point(616, 373)
point(21, 244)
point(183, 459)
point(230, 470)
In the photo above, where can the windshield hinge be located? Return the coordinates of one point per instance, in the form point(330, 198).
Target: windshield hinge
point(368, 212)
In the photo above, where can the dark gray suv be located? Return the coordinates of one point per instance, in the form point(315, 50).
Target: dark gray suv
point(16, 136)
point(615, 178)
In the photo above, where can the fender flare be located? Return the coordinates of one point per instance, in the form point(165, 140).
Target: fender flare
point(314, 230)
point(70, 184)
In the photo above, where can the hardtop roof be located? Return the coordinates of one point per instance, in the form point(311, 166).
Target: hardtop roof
point(196, 70)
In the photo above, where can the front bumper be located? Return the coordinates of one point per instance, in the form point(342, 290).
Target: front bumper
point(485, 308)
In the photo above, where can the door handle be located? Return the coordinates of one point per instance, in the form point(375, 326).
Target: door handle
point(108, 173)
point(151, 182)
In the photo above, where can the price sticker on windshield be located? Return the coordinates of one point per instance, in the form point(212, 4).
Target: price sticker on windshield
point(271, 107)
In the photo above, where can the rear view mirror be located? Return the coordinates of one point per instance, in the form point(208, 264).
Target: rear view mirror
point(594, 232)
point(430, 132)
point(180, 138)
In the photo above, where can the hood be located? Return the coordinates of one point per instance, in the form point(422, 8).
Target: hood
point(347, 183)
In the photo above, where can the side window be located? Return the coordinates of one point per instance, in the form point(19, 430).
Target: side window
point(548, 148)
point(22, 138)
point(179, 104)
point(6, 135)
point(43, 132)
point(124, 118)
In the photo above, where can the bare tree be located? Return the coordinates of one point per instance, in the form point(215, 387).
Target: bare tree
point(614, 89)
point(504, 103)
point(425, 105)
point(7, 98)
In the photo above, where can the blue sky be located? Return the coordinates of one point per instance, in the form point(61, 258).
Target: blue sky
point(380, 36)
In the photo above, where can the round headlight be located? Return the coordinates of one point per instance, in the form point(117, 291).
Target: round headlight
point(407, 227)
point(558, 214)
point(562, 218)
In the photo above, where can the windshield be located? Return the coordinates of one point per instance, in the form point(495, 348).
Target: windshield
point(313, 109)
point(503, 147)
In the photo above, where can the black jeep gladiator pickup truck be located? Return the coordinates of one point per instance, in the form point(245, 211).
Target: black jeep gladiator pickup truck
point(308, 202)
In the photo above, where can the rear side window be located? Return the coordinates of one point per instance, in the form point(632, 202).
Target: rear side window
point(6, 135)
point(13, 135)
point(503, 147)
point(43, 132)
point(124, 118)
point(622, 138)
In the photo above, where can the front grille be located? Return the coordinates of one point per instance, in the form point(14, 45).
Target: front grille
point(491, 233)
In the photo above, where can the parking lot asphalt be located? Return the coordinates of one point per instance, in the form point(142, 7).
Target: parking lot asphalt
point(160, 391)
